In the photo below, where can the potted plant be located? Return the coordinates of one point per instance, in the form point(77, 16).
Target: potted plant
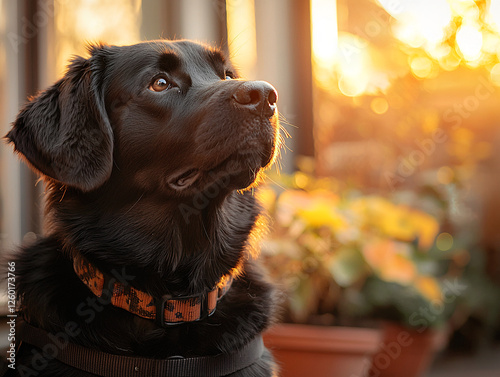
point(295, 255)
point(345, 260)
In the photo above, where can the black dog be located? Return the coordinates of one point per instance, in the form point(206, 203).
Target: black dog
point(147, 151)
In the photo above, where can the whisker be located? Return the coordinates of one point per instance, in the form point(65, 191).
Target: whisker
point(133, 205)
point(283, 120)
point(276, 183)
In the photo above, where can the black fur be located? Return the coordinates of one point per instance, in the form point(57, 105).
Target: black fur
point(151, 184)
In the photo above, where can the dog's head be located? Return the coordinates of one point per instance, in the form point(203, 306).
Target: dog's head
point(162, 115)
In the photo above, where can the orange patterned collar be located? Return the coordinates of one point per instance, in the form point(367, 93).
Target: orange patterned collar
point(171, 309)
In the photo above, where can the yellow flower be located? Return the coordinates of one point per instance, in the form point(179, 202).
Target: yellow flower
point(400, 269)
point(319, 215)
point(427, 228)
point(390, 260)
point(428, 287)
point(396, 221)
point(316, 208)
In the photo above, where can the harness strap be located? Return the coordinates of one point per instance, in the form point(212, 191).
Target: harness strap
point(109, 365)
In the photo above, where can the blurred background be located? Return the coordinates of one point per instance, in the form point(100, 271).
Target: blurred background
point(385, 206)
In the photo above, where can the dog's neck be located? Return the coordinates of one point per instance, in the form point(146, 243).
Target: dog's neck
point(180, 247)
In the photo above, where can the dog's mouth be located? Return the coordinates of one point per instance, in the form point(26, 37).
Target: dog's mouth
point(237, 169)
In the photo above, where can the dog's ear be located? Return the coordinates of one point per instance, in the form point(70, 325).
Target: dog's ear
point(64, 132)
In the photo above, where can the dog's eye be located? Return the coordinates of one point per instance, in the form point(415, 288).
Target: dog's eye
point(228, 75)
point(160, 84)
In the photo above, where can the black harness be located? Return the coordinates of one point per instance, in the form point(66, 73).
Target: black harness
point(109, 365)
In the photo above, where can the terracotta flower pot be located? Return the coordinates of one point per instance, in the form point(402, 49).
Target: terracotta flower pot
point(303, 350)
point(406, 352)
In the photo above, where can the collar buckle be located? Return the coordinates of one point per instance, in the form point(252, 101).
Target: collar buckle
point(160, 311)
point(173, 310)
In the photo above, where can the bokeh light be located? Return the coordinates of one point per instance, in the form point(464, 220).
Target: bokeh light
point(470, 42)
point(379, 105)
point(421, 67)
point(495, 74)
point(444, 241)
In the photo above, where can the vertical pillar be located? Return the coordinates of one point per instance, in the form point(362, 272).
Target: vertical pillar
point(10, 168)
point(284, 59)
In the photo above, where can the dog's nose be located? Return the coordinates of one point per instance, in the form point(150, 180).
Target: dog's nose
point(257, 96)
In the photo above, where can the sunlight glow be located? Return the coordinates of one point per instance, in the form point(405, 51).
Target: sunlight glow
point(419, 23)
point(241, 34)
point(436, 35)
point(469, 42)
point(356, 68)
point(467, 9)
point(353, 65)
point(79, 22)
point(324, 31)
point(344, 60)
point(494, 14)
